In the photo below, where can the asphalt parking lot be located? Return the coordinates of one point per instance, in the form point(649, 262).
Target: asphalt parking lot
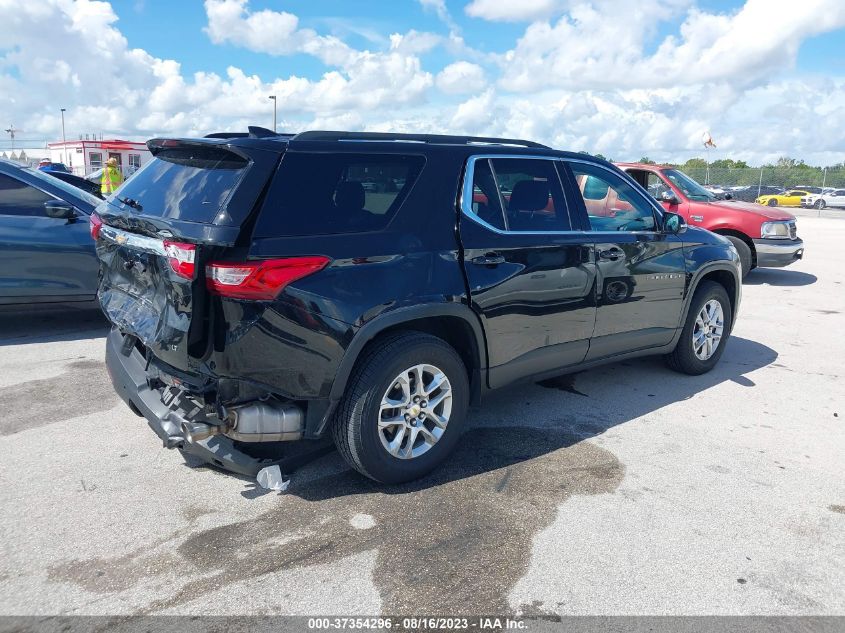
point(627, 489)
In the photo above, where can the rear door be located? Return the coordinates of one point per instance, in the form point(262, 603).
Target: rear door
point(530, 273)
point(42, 258)
point(182, 208)
point(641, 271)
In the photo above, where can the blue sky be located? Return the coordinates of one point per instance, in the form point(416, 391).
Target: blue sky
point(172, 29)
point(765, 77)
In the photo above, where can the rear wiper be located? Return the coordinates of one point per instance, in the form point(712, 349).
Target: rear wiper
point(131, 203)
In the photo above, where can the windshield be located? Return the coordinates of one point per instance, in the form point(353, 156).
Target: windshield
point(64, 186)
point(189, 183)
point(691, 189)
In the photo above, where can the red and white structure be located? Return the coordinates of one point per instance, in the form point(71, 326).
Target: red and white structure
point(84, 157)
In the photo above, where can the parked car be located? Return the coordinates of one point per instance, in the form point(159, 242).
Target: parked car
point(831, 198)
point(271, 301)
point(763, 237)
point(46, 251)
point(78, 182)
point(808, 189)
point(49, 166)
point(790, 198)
point(750, 193)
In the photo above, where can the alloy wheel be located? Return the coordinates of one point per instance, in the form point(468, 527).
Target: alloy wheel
point(707, 333)
point(415, 411)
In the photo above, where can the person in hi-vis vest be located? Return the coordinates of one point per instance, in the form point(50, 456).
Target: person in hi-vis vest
point(112, 178)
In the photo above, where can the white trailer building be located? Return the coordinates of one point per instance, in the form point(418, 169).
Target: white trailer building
point(84, 157)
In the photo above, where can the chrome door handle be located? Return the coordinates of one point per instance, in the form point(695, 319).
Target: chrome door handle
point(490, 259)
point(611, 254)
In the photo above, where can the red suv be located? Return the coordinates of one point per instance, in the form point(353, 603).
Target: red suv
point(763, 236)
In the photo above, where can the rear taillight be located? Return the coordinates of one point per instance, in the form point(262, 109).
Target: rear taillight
point(261, 280)
point(181, 257)
point(95, 223)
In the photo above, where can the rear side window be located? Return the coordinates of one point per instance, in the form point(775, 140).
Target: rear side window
point(185, 183)
point(323, 194)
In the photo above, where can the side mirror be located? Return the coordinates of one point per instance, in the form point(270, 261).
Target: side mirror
point(668, 196)
point(673, 223)
point(59, 209)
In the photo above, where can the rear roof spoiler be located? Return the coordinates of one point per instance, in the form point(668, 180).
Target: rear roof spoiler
point(254, 132)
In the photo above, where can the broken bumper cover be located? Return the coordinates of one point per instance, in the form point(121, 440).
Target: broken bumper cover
point(165, 414)
point(778, 253)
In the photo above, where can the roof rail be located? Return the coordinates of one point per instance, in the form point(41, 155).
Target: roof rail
point(442, 139)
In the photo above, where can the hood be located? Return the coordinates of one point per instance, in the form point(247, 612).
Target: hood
point(770, 213)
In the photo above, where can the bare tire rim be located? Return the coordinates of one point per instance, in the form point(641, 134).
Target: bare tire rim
point(415, 411)
point(707, 333)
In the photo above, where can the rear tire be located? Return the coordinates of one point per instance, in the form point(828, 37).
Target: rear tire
point(358, 428)
point(820, 204)
point(744, 251)
point(684, 358)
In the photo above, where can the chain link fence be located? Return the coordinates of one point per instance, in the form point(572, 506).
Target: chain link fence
point(748, 183)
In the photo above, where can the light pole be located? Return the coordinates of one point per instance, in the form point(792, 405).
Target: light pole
point(273, 97)
point(64, 143)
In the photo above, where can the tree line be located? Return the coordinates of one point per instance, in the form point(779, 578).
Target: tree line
point(785, 172)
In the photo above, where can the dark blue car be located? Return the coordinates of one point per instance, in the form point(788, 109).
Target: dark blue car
point(46, 251)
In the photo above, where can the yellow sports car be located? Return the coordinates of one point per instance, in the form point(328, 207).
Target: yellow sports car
point(791, 198)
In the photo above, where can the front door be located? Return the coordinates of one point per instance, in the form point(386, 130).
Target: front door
point(641, 271)
point(530, 277)
point(41, 257)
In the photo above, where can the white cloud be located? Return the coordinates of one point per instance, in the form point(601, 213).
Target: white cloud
point(601, 45)
point(273, 32)
point(461, 78)
point(592, 79)
point(505, 11)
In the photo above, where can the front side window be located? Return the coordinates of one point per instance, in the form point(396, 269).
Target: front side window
point(657, 186)
point(19, 198)
point(690, 187)
point(325, 194)
point(612, 204)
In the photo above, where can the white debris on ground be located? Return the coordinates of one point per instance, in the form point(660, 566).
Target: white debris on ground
point(271, 478)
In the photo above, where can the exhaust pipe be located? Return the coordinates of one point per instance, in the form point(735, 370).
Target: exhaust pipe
point(197, 431)
point(268, 421)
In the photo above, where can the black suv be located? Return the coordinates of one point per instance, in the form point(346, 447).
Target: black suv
point(266, 289)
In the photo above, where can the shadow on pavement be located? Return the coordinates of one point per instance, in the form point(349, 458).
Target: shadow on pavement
point(630, 389)
point(20, 325)
point(457, 541)
point(778, 277)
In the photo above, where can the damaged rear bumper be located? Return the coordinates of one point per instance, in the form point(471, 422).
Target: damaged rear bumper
point(175, 417)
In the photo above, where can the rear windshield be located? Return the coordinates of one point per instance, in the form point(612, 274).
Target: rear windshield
point(186, 183)
point(319, 194)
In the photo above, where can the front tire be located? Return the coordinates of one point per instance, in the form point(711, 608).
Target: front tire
point(772, 202)
point(744, 252)
point(405, 408)
point(705, 332)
